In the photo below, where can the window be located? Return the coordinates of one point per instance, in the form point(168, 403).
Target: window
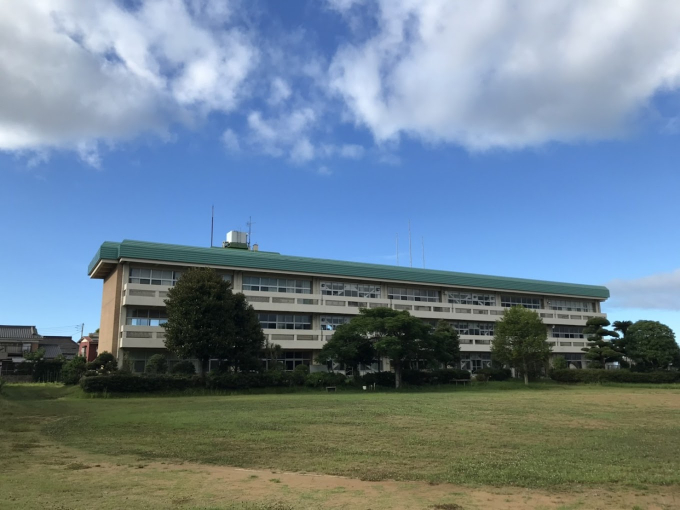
point(574, 360)
point(138, 365)
point(26, 347)
point(350, 289)
point(146, 317)
point(281, 321)
point(262, 284)
point(154, 276)
point(331, 322)
point(469, 298)
point(291, 359)
point(567, 332)
point(526, 302)
point(570, 305)
point(474, 328)
point(406, 294)
point(475, 361)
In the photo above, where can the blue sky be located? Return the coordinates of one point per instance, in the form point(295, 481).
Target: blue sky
point(512, 149)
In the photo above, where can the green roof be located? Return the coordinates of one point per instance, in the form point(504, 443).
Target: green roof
point(271, 261)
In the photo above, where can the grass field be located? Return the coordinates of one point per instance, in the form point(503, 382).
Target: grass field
point(557, 445)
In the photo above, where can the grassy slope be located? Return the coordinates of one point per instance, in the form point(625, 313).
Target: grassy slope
point(543, 437)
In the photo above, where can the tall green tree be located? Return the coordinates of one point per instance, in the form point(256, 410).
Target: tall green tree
point(521, 341)
point(349, 347)
point(207, 320)
point(398, 335)
point(600, 350)
point(446, 343)
point(651, 345)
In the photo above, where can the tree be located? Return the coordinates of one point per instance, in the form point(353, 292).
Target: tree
point(560, 363)
point(35, 355)
point(651, 345)
point(348, 346)
point(398, 335)
point(446, 344)
point(521, 340)
point(600, 350)
point(620, 344)
point(157, 364)
point(104, 363)
point(206, 320)
point(73, 370)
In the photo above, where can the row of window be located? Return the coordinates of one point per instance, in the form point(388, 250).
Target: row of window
point(347, 289)
point(284, 321)
point(159, 276)
point(146, 317)
point(350, 289)
point(567, 332)
point(331, 322)
point(474, 328)
point(262, 284)
point(570, 305)
point(469, 298)
point(408, 294)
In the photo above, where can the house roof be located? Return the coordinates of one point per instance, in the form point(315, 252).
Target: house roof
point(110, 253)
point(19, 332)
point(65, 345)
point(93, 339)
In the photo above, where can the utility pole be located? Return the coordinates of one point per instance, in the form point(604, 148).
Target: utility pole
point(212, 226)
point(82, 330)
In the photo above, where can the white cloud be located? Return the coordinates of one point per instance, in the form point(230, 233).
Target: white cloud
point(658, 291)
point(74, 73)
point(280, 91)
point(324, 170)
point(508, 74)
point(230, 141)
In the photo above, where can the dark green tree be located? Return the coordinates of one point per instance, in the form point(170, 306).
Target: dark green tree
point(521, 341)
point(349, 347)
point(446, 344)
point(73, 370)
point(398, 335)
point(600, 350)
point(651, 345)
point(207, 320)
point(157, 364)
point(620, 344)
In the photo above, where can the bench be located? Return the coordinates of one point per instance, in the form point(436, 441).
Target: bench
point(330, 388)
point(462, 381)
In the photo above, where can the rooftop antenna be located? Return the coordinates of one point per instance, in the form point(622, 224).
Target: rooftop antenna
point(250, 229)
point(397, 248)
point(423, 240)
point(212, 226)
point(410, 255)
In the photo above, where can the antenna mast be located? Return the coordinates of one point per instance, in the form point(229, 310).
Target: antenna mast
point(250, 229)
point(212, 226)
point(410, 255)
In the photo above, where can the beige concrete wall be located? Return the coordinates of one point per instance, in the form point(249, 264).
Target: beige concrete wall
point(110, 318)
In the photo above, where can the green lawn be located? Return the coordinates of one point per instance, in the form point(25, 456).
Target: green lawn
point(547, 436)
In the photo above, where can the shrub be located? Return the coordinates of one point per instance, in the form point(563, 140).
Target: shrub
point(377, 378)
point(495, 374)
point(324, 379)
point(185, 367)
point(73, 370)
point(300, 374)
point(47, 370)
point(559, 363)
point(1, 383)
point(157, 364)
point(105, 363)
point(621, 376)
point(129, 383)
point(481, 377)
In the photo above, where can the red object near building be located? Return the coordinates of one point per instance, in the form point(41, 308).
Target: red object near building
point(87, 347)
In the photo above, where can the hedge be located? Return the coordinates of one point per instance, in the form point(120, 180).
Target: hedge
point(495, 374)
point(414, 377)
point(129, 383)
point(621, 376)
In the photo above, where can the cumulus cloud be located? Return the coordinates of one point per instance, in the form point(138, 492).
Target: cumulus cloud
point(230, 140)
point(489, 74)
point(658, 291)
point(74, 73)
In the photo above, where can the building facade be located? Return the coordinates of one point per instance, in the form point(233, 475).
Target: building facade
point(301, 301)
